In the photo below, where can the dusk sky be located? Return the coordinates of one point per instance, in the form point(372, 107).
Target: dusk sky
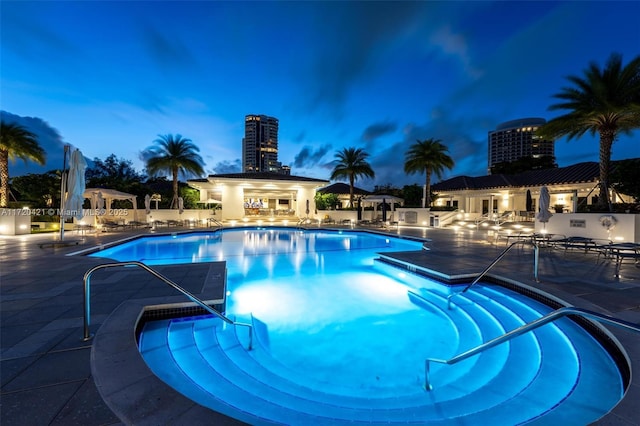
point(111, 76)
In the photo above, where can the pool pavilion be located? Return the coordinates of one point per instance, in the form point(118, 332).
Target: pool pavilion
point(517, 195)
point(260, 195)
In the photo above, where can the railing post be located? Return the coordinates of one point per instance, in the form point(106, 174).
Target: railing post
point(536, 257)
point(87, 308)
point(87, 296)
point(483, 273)
point(427, 384)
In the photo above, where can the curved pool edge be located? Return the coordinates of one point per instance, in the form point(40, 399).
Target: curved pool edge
point(137, 396)
point(128, 386)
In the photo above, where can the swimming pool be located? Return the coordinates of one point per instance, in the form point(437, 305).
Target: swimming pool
point(341, 339)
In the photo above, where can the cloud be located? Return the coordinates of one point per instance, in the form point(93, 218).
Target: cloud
point(48, 138)
point(36, 41)
point(227, 166)
point(456, 45)
point(374, 131)
point(168, 52)
point(354, 36)
point(308, 157)
point(299, 138)
point(459, 134)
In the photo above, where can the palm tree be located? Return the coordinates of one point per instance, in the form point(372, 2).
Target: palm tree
point(16, 142)
point(176, 155)
point(428, 156)
point(604, 101)
point(351, 163)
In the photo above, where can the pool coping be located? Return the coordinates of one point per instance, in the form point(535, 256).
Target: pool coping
point(137, 396)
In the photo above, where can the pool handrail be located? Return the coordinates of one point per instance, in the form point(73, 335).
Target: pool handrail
point(495, 261)
point(194, 299)
point(216, 222)
point(552, 316)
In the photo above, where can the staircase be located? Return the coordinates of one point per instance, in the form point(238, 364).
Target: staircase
point(555, 375)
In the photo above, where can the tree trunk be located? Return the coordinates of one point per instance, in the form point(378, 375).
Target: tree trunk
point(4, 178)
point(606, 141)
point(174, 201)
point(351, 184)
point(428, 185)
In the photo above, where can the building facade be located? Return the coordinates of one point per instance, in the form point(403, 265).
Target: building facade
point(569, 187)
point(260, 195)
point(260, 145)
point(515, 139)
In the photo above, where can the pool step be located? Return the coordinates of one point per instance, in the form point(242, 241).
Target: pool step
point(293, 399)
point(517, 374)
point(592, 393)
point(154, 344)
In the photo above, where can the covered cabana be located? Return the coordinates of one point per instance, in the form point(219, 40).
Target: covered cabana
point(101, 198)
point(342, 191)
point(376, 199)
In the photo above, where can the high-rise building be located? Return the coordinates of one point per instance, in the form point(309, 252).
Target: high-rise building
point(260, 145)
point(515, 139)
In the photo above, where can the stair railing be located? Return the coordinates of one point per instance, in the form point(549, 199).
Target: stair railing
point(194, 299)
point(216, 222)
point(558, 313)
point(495, 261)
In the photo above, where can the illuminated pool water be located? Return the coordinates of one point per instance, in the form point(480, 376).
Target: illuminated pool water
point(341, 339)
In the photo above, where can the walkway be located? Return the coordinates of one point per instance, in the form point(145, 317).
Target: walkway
point(46, 375)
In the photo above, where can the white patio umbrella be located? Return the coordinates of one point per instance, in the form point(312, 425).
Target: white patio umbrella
point(97, 205)
point(72, 187)
point(545, 200)
point(100, 202)
point(75, 185)
point(180, 205)
point(147, 204)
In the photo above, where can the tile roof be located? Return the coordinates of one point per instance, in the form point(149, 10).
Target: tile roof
point(577, 173)
point(262, 175)
point(342, 188)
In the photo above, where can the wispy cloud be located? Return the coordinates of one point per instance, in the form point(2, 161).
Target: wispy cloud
point(310, 156)
point(376, 130)
point(168, 52)
point(227, 166)
point(355, 37)
point(455, 44)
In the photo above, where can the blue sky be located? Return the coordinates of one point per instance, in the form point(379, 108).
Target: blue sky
point(108, 77)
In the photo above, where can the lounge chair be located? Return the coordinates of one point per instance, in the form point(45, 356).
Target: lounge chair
point(581, 243)
point(136, 224)
point(624, 251)
point(109, 225)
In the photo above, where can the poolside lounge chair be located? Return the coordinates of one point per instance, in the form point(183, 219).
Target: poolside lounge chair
point(327, 220)
point(595, 245)
point(624, 251)
point(137, 224)
point(109, 225)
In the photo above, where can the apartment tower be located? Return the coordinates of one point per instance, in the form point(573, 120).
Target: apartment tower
point(260, 145)
point(515, 139)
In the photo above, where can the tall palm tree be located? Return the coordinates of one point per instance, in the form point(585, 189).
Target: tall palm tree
point(350, 164)
point(176, 155)
point(604, 101)
point(16, 142)
point(428, 156)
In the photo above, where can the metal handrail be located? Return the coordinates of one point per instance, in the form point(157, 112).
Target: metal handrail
point(218, 223)
point(558, 313)
point(197, 301)
point(496, 260)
